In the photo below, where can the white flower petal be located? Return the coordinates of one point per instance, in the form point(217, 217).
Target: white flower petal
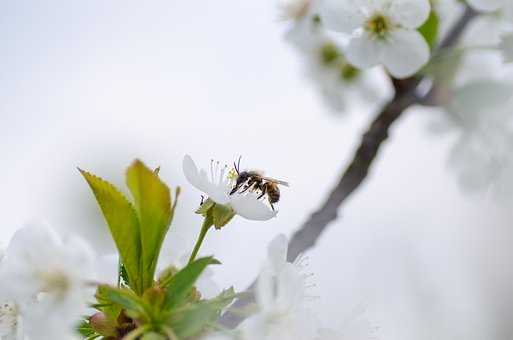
point(250, 208)
point(487, 5)
point(294, 9)
point(363, 51)
point(218, 192)
point(343, 16)
point(190, 170)
point(277, 252)
point(484, 30)
point(38, 263)
point(405, 53)
point(264, 293)
point(8, 318)
point(409, 13)
point(290, 287)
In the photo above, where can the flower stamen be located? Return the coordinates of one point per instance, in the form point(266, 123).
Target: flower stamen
point(378, 26)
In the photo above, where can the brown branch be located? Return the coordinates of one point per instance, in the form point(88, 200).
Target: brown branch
point(306, 236)
point(355, 174)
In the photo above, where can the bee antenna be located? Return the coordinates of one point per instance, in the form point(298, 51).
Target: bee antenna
point(238, 164)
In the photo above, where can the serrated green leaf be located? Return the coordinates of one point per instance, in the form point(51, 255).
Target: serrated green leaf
point(429, 29)
point(180, 285)
point(105, 305)
point(128, 300)
point(153, 204)
point(224, 298)
point(123, 225)
point(85, 329)
point(194, 319)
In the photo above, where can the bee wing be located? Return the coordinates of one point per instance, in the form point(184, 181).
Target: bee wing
point(277, 181)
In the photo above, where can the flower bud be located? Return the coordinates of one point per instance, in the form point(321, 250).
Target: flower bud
point(102, 325)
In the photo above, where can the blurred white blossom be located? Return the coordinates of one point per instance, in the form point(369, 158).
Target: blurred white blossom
point(481, 112)
point(505, 6)
point(45, 277)
point(340, 84)
point(10, 321)
point(382, 32)
point(218, 183)
point(281, 296)
point(295, 9)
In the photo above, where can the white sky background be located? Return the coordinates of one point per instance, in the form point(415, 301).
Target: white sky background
point(98, 83)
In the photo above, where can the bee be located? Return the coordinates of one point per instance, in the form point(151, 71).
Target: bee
point(254, 180)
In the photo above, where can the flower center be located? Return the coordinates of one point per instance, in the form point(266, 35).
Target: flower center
point(55, 282)
point(348, 72)
point(378, 26)
point(329, 53)
point(232, 175)
point(8, 316)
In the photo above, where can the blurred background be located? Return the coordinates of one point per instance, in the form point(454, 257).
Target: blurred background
point(96, 84)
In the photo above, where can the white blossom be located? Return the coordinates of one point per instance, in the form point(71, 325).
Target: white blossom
point(281, 299)
point(10, 321)
point(218, 183)
point(381, 32)
point(481, 113)
point(505, 6)
point(45, 276)
point(295, 9)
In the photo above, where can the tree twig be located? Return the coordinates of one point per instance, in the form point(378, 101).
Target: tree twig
point(355, 174)
point(306, 236)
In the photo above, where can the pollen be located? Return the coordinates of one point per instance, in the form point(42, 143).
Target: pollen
point(232, 175)
point(378, 26)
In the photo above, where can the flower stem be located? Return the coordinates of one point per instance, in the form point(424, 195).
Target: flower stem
point(207, 223)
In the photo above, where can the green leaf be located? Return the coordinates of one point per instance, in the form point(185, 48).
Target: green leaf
point(429, 29)
point(194, 319)
point(85, 329)
point(128, 300)
point(153, 204)
point(105, 304)
point(222, 214)
point(153, 336)
point(180, 285)
point(123, 224)
point(224, 298)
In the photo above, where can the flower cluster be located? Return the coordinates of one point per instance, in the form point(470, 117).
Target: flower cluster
point(44, 284)
point(369, 33)
point(355, 50)
point(54, 287)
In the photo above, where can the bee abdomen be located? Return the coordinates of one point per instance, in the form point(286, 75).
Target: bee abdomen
point(274, 195)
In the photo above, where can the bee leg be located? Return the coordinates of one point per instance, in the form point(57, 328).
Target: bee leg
point(252, 186)
point(272, 206)
point(264, 190)
point(249, 185)
point(234, 190)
